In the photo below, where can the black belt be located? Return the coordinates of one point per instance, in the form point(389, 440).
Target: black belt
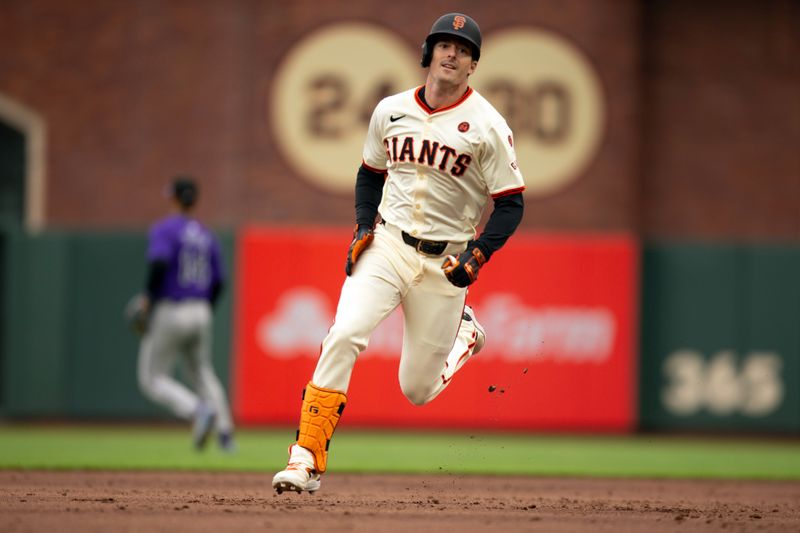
point(423, 246)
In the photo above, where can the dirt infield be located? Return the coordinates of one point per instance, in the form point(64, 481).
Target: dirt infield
point(178, 502)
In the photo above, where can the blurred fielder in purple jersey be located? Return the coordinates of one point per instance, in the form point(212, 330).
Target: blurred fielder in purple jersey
point(184, 280)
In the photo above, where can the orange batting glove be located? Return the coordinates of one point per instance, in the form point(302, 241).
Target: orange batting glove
point(362, 238)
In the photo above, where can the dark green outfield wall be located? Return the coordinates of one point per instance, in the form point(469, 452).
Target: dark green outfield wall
point(66, 350)
point(720, 345)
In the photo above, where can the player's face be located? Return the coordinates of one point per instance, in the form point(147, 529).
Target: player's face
point(452, 61)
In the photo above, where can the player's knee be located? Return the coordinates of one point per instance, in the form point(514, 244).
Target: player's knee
point(346, 333)
point(150, 386)
point(416, 393)
point(341, 340)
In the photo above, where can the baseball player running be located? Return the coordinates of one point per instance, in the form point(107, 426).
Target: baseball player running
point(433, 157)
point(184, 281)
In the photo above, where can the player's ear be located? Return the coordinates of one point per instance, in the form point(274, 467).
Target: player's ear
point(472, 67)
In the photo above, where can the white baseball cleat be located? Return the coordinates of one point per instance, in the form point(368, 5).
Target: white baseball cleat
point(299, 475)
point(480, 339)
point(296, 478)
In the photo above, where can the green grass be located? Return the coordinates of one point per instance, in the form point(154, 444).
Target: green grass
point(160, 448)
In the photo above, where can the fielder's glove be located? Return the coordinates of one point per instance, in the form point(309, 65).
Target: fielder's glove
point(137, 313)
point(362, 237)
point(463, 270)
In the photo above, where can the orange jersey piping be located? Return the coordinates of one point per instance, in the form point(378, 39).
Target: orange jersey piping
point(508, 192)
point(425, 107)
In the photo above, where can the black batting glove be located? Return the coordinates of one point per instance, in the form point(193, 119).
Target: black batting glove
point(362, 237)
point(462, 270)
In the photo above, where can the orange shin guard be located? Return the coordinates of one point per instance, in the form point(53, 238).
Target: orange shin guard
point(318, 418)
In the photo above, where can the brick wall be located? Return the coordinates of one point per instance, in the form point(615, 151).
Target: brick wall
point(702, 131)
point(722, 104)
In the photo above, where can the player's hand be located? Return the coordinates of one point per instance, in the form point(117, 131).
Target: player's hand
point(137, 313)
point(362, 237)
point(462, 271)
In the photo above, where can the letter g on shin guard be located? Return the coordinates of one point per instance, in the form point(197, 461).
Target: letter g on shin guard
point(318, 419)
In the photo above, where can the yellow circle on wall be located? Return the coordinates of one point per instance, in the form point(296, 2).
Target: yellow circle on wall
point(324, 93)
point(552, 98)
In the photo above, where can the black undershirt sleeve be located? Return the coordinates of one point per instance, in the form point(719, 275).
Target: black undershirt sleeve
point(503, 221)
point(369, 189)
point(156, 274)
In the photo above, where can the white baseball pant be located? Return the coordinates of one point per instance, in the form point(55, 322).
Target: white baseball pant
point(181, 332)
point(435, 339)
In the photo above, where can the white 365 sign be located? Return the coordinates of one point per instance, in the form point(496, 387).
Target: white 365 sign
point(721, 385)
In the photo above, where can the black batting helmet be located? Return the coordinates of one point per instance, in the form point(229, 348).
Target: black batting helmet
point(452, 24)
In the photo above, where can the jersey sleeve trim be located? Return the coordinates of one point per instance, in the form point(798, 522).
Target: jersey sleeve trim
point(376, 170)
point(507, 192)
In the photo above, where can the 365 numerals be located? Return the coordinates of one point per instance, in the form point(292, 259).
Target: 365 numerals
point(721, 384)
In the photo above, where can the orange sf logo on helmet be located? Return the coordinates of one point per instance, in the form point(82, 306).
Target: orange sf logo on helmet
point(459, 22)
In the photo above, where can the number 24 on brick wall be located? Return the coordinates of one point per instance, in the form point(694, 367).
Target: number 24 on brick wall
point(718, 384)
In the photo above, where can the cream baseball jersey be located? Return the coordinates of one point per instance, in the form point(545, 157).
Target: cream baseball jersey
point(442, 164)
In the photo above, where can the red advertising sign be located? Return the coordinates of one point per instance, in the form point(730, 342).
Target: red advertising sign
point(560, 320)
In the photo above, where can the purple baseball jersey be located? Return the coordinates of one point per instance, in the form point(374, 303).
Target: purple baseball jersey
point(192, 255)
